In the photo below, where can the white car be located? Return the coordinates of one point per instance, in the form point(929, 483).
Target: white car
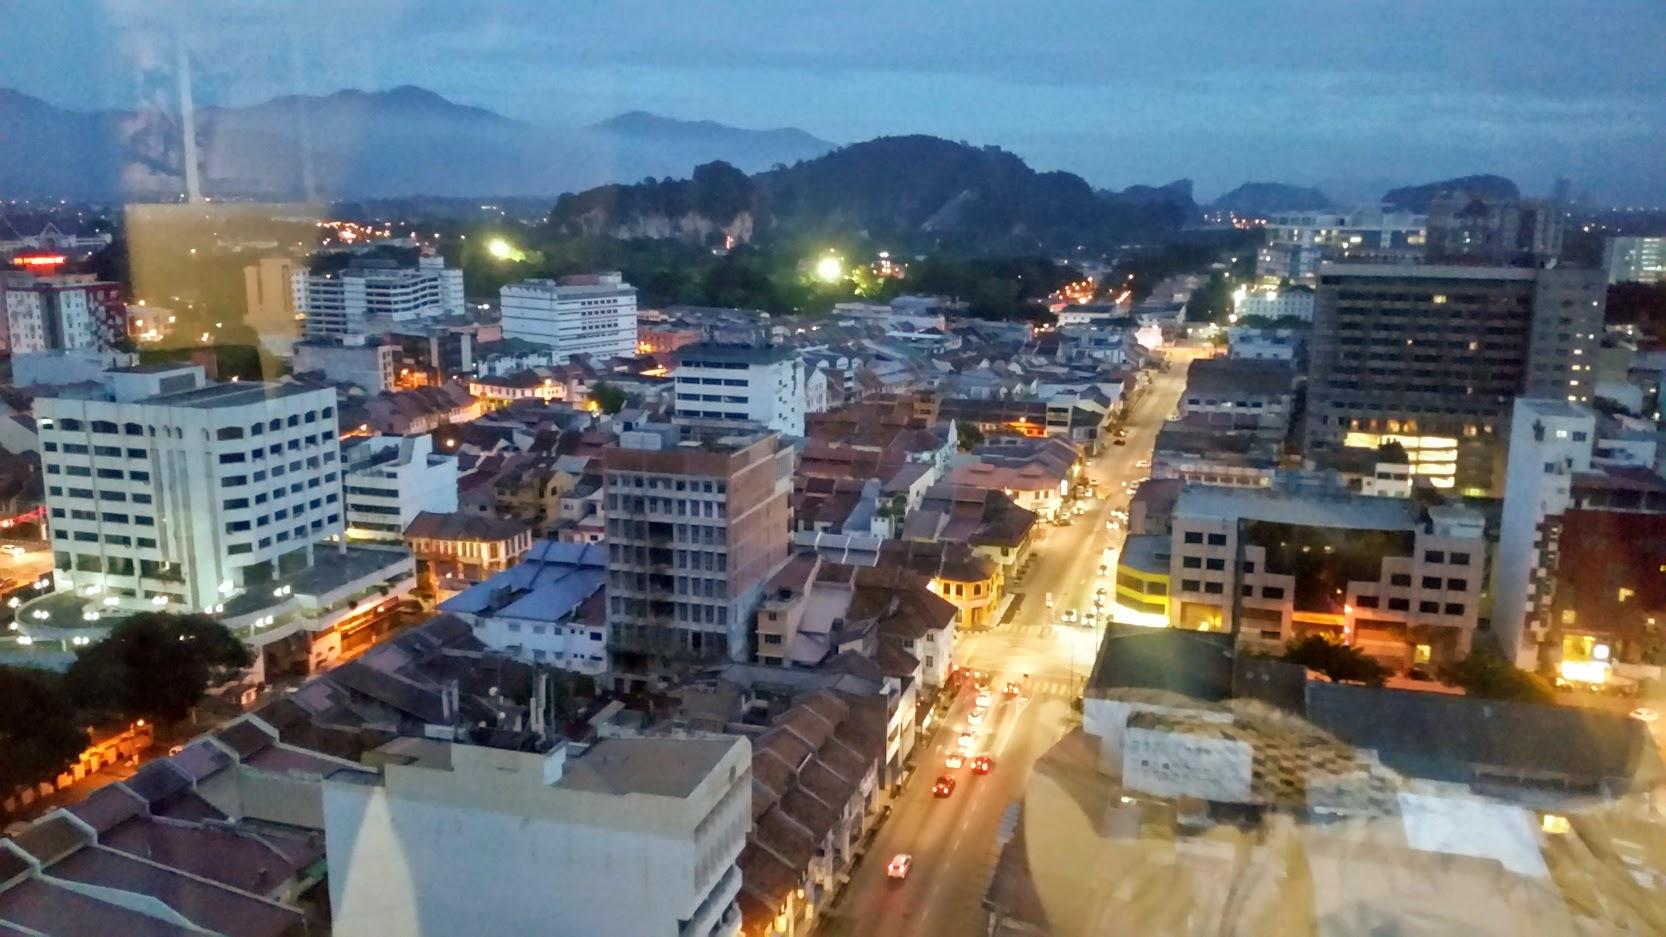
point(1143, 463)
point(900, 864)
point(12, 549)
point(1068, 616)
point(1644, 714)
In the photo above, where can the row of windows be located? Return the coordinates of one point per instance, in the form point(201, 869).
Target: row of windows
point(1215, 540)
point(82, 471)
point(87, 493)
point(72, 424)
point(654, 482)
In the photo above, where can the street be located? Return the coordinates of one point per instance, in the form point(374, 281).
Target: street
point(953, 839)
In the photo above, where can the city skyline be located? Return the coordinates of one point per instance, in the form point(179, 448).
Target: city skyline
point(1393, 94)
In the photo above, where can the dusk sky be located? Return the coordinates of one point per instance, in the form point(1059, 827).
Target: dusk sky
point(1352, 95)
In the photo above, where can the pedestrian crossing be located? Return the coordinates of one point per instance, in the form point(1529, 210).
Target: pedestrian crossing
point(1059, 687)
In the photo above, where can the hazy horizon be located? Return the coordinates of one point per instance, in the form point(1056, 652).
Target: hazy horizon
point(1392, 93)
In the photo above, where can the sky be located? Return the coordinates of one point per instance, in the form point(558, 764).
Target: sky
point(1350, 95)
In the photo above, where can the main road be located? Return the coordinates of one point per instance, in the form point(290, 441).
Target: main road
point(953, 839)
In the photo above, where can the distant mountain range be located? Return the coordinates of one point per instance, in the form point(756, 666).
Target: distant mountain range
point(1259, 199)
point(405, 141)
point(916, 190)
point(1416, 198)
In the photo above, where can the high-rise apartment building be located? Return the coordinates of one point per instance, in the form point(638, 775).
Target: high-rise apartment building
point(374, 295)
point(1464, 228)
point(758, 384)
point(594, 314)
point(1297, 242)
point(1635, 259)
point(1550, 442)
point(169, 492)
point(1432, 356)
point(270, 297)
point(63, 313)
point(696, 524)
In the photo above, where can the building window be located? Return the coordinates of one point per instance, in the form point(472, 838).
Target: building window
point(1399, 579)
point(1272, 592)
point(1458, 585)
point(1428, 608)
point(1213, 588)
point(1193, 536)
point(1191, 562)
point(1189, 585)
point(1215, 563)
point(1431, 582)
point(1434, 556)
point(1399, 605)
point(1454, 608)
point(1217, 540)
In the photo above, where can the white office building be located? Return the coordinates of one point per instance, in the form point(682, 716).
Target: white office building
point(167, 492)
point(392, 479)
point(1635, 259)
point(372, 296)
point(1550, 442)
point(593, 314)
point(1292, 303)
point(764, 385)
point(636, 836)
point(1297, 242)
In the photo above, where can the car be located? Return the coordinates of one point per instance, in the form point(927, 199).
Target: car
point(1143, 463)
point(976, 717)
point(1049, 600)
point(983, 700)
point(1069, 616)
point(1644, 714)
point(954, 760)
point(1011, 690)
point(1100, 591)
point(944, 786)
point(1119, 441)
point(12, 549)
point(967, 740)
point(900, 864)
point(983, 764)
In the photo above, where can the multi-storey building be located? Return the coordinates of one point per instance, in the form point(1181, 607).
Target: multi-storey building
point(696, 524)
point(1582, 542)
point(392, 479)
point(1400, 580)
point(169, 492)
point(63, 313)
point(758, 384)
point(1432, 356)
point(1635, 259)
point(550, 834)
point(1294, 302)
point(1463, 228)
point(374, 295)
point(592, 315)
point(1297, 242)
point(362, 361)
point(270, 296)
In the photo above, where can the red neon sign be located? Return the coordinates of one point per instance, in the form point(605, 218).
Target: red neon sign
point(40, 260)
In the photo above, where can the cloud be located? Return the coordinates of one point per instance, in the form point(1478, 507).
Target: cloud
point(1140, 90)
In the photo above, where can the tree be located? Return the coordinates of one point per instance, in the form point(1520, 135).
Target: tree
point(155, 666)
point(1487, 674)
point(968, 435)
point(1339, 662)
point(609, 398)
point(39, 732)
